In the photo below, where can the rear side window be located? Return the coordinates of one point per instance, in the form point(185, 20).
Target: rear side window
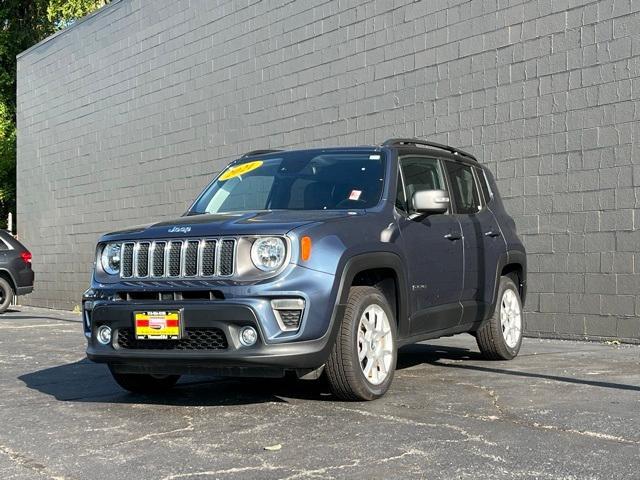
point(421, 173)
point(463, 187)
point(482, 180)
point(4, 243)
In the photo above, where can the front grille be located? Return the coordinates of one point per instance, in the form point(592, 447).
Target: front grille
point(158, 259)
point(126, 269)
point(193, 258)
point(169, 296)
point(226, 257)
point(194, 339)
point(142, 262)
point(209, 257)
point(175, 254)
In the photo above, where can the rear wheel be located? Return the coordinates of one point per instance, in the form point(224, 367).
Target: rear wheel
point(363, 359)
point(500, 337)
point(144, 383)
point(6, 295)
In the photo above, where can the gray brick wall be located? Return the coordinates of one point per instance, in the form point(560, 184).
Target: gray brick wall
point(126, 115)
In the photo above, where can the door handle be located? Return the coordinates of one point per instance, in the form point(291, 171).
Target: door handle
point(492, 233)
point(453, 236)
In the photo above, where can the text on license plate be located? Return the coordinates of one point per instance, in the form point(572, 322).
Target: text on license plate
point(157, 325)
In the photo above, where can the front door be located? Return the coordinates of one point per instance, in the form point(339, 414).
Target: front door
point(433, 246)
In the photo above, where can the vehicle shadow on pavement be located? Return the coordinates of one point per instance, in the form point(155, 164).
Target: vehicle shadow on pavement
point(422, 353)
point(419, 354)
point(85, 381)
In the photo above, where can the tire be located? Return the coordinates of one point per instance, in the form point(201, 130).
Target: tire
point(6, 295)
point(345, 370)
point(500, 340)
point(144, 383)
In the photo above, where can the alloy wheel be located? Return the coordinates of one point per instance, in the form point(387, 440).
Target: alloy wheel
point(510, 318)
point(375, 344)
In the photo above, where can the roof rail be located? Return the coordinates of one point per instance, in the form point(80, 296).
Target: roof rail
point(258, 152)
point(417, 141)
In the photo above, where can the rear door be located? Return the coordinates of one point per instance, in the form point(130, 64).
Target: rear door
point(482, 240)
point(433, 246)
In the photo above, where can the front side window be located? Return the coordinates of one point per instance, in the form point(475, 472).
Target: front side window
point(401, 201)
point(421, 173)
point(463, 188)
point(304, 180)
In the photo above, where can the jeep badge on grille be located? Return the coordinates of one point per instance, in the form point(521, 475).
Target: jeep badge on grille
point(179, 230)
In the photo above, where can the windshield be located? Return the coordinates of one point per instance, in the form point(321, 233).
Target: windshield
point(305, 180)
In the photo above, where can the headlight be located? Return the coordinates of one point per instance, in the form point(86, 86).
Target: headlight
point(111, 258)
point(268, 253)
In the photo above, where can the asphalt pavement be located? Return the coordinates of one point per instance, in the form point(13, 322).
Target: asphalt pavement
point(561, 410)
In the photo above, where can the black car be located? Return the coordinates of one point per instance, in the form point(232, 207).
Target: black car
point(312, 261)
point(16, 275)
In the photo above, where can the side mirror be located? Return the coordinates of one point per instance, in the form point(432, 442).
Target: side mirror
point(430, 201)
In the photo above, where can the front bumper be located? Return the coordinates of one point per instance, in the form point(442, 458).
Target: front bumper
point(275, 352)
point(261, 359)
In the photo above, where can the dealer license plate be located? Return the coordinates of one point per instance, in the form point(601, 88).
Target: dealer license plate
point(157, 325)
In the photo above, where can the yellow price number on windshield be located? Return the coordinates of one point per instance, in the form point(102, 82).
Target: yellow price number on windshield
point(240, 170)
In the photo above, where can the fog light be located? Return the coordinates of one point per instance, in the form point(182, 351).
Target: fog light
point(248, 336)
point(103, 335)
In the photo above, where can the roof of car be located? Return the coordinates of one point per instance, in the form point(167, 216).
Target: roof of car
point(404, 144)
point(359, 148)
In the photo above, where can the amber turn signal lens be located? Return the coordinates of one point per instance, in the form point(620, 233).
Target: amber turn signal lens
point(305, 248)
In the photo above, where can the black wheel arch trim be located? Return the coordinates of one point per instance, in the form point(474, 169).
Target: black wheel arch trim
point(12, 280)
point(372, 261)
point(510, 257)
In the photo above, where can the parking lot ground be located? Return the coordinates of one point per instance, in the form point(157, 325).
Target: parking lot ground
point(560, 410)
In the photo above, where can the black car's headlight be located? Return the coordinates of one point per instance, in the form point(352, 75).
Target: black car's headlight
point(268, 253)
point(110, 258)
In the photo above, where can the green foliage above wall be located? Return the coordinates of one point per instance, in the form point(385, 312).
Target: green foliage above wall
point(23, 24)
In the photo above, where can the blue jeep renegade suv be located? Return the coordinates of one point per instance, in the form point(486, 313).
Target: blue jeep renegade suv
point(312, 261)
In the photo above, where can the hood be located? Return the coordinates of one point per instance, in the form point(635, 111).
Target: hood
point(274, 222)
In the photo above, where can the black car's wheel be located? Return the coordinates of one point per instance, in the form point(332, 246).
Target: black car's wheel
point(500, 337)
point(363, 359)
point(144, 383)
point(6, 295)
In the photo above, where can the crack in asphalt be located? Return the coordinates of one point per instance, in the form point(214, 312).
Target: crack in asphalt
point(297, 472)
point(226, 471)
point(355, 463)
point(406, 421)
point(47, 325)
point(30, 464)
point(511, 418)
point(188, 428)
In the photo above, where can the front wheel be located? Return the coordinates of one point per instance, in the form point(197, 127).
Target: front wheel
point(363, 359)
point(144, 383)
point(500, 337)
